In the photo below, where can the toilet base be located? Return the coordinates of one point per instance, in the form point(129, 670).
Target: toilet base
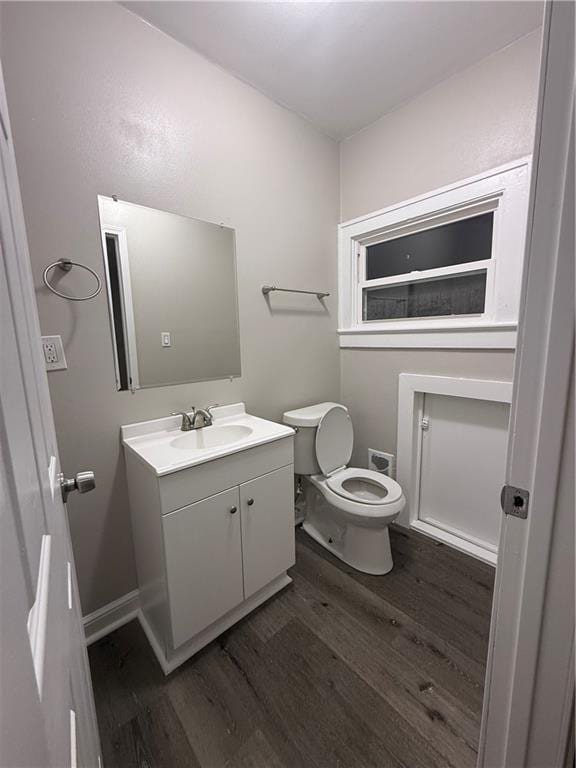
point(367, 549)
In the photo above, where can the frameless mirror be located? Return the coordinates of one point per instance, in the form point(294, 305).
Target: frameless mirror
point(172, 296)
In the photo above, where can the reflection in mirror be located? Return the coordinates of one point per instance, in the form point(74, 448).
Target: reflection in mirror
point(172, 296)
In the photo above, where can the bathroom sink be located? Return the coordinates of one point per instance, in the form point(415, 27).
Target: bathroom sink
point(164, 448)
point(211, 437)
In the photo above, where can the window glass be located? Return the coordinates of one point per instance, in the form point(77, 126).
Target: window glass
point(458, 295)
point(457, 243)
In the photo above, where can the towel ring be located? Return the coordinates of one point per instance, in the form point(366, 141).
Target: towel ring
point(66, 265)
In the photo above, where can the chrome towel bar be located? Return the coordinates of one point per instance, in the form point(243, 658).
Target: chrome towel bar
point(266, 289)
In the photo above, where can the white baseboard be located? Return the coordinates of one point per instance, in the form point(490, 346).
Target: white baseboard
point(111, 616)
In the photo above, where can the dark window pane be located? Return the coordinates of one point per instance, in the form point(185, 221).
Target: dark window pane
point(460, 295)
point(456, 243)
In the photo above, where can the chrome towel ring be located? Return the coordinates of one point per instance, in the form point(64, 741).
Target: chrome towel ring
point(66, 265)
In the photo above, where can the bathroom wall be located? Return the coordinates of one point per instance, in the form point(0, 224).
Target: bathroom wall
point(102, 103)
point(479, 119)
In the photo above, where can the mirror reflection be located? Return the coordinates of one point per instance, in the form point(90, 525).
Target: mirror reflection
point(172, 296)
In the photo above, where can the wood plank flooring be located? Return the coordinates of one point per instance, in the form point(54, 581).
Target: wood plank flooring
point(340, 670)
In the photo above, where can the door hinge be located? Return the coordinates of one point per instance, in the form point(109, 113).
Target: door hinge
point(425, 424)
point(515, 501)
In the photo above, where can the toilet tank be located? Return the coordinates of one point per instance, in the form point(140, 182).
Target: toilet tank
point(305, 421)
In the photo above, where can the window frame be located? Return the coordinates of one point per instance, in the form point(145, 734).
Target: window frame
point(503, 191)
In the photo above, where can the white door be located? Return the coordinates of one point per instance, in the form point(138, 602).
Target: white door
point(267, 528)
point(529, 695)
point(47, 715)
point(203, 563)
point(462, 435)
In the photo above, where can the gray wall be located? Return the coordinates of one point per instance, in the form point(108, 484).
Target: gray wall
point(480, 118)
point(102, 103)
point(476, 120)
point(370, 385)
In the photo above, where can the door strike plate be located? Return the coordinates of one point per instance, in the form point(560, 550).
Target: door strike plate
point(515, 501)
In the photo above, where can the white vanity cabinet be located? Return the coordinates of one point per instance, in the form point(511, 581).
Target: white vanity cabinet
point(213, 540)
point(226, 548)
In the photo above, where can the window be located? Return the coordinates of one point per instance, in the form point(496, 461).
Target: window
point(457, 243)
point(439, 297)
point(449, 262)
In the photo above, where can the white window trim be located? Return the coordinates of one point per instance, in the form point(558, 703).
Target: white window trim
point(504, 190)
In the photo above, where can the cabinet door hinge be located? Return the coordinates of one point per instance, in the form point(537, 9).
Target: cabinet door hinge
point(514, 501)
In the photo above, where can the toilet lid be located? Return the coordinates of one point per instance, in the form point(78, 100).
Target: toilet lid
point(334, 440)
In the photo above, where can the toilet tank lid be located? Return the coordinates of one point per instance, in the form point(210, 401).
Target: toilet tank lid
point(309, 416)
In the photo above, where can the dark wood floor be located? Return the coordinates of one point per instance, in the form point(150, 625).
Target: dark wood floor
point(341, 669)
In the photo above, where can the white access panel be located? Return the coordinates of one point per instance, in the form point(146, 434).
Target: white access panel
point(462, 467)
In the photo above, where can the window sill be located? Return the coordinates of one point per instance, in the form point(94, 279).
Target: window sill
point(494, 336)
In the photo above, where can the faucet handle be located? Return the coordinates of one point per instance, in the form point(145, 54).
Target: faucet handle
point(187, 422)
point(214, 405)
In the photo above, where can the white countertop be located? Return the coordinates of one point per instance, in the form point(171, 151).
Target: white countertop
point(152, 442)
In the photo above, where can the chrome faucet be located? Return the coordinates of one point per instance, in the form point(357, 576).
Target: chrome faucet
point(207, 417)
point(189, 422)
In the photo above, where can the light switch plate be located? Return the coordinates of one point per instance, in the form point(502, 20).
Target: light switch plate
point(54, 357)
point(166, 340)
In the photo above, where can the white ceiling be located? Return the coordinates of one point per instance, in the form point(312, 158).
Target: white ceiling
point(343, 65)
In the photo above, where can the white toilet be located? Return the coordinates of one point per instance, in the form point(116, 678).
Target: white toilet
point(348, 510)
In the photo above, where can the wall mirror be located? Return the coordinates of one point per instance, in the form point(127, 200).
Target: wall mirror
point(172, 296)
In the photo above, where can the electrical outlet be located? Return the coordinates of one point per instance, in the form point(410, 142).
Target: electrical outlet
point(50, 352)
point(53, 350)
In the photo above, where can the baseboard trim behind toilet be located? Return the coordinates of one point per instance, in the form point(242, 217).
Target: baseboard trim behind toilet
point(111, 616)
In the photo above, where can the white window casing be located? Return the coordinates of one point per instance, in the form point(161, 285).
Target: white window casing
point(503, 191)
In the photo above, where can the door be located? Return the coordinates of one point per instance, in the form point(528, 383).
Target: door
point(47, 715)
point(529, 694)
point(203, 563)
point(267, 506)
point(460, 435)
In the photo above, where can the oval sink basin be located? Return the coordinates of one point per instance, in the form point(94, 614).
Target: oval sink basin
point(211, 437)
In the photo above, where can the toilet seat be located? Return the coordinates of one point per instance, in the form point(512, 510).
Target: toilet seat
point(364, 514)
point(379, 489)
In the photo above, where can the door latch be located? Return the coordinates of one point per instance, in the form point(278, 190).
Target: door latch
point(514, 501)
point(81, 482)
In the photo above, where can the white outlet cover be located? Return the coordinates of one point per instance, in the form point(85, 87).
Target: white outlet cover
point(53, 350)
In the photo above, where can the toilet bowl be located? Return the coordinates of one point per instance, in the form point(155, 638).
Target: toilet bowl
point(348, 509)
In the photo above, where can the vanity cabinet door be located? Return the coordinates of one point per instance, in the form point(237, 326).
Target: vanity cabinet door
point(267, 505)
point(203, 563)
